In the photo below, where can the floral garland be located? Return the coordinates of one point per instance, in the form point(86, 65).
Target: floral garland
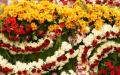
point(91, 41)
point(24, 47)
point(40, 67)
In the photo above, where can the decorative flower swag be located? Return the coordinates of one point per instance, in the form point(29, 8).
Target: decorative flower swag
point(25, 47)
point(107, 31)
point(59, 59)
point(88, 65)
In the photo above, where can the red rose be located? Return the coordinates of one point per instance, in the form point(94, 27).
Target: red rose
point(118, 70)
point(21, 31)
point(8, 30)
point(14, 26)
point(64, 2)
point(102, 71)
point(112, 72)
point(62, 25)
point(58, 32)
point(13, 20)
point(109, 65)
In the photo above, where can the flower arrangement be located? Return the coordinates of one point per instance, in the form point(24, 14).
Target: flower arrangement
point(47, 38)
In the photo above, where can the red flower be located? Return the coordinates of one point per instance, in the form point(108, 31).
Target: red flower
point(46, 67)
point(94, 43)
point(4, 29)
point(13, 20)
point(25, 72)
point(6, 70)
point(64, 2)
point(107, 34)
point(117, 49)
point(16, 38)
point(71, 51)
point(16, 31)
point(118, 70)
point(109, 65)
point(46, 43)
point(28, 29)
point(21, 31)
point(102, 71)
point(62, 25)
point(38, 71)
point(40, 33)
point(62, 58)
point(33, 70)
point(112, 72)
point(8, 30)
point(19, 72)
point(58, 32)
point(98, 37)
point(14, 26)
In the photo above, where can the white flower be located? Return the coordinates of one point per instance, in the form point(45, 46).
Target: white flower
point(63, 73)
point(88, 40)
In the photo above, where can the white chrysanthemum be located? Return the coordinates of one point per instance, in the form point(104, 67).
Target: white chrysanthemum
point(66, 46)
point(88, 40)
point(63, 73)
point(115, 29)
point(106, 27)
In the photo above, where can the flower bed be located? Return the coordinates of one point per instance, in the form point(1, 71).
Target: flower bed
point(46, 38)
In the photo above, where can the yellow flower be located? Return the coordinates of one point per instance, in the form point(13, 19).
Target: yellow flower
point(84, 30)
point(70, 25)
point(93, 17)
point(82, 23)
point(33, 26)
point(117, 23)
point(98, 24)
point(53, 27)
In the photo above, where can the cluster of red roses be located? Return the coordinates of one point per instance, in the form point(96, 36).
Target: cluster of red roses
point(15, 29)
point(114, 70)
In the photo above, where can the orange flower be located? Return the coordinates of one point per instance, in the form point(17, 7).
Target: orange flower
point(33, 26)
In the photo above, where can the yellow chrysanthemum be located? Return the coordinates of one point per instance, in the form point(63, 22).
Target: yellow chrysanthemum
point(53, 27)
point(33, 26)
point(98, 24)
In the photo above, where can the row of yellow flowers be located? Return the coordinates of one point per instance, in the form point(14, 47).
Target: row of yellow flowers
point(72, 16)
